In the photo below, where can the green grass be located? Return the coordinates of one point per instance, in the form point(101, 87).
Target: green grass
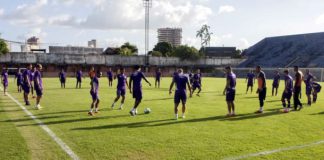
point(204, 134)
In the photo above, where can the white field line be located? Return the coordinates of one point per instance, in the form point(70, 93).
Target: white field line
point(276, 151)
point(64, 146)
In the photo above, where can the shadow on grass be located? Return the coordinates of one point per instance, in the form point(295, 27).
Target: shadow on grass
point(159, 99)
point(76, 120)
point(30, 119)
point(173, 122)
point(317, 113)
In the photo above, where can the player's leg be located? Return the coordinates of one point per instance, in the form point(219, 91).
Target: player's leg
point(116, 99)
point(199, 90)
point(277, 90)
point(273, 89)
point(251, 89)
point(156, 81)
point(183, 109)
point(122, 102)
point(314, 96)
point(90, 113)
point(229, 108)
point(97, 105)
point(176, 110)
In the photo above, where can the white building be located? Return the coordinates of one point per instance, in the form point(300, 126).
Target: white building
point(171, 35)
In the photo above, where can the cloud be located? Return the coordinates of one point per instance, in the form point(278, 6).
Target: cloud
point(320, 19)
point(226, 9)
point(227, 36)
point(27, 14)
point(1, 11)
point(243, 43)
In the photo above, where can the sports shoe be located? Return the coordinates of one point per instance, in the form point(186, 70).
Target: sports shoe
point(300, 108)
point(27, 103)
point(132, 113)
point(90, 113)
point(258, 112)
point(176, 117)
point(112, 106)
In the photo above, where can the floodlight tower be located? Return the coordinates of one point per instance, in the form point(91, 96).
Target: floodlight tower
point(147, 5)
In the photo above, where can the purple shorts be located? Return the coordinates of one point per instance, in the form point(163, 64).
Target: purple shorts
point(250, 84)
point(137, 94)
point(275, 85)
point(195, 86)
point(230, 95)
point(180, 96)
point(26, 88)
point(286, 95)
point(5, 84)
point(121, 92)
point(94, 95)
point(39, 92)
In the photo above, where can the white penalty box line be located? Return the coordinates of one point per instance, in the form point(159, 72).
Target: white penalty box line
point(59, 141)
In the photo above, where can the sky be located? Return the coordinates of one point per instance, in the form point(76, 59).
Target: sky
point(239, 23)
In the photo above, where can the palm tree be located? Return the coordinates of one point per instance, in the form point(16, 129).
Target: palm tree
point(204, 35)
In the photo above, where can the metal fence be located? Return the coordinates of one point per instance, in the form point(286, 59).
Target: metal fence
point(270, 72)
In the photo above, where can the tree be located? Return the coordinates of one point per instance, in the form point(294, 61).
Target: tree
point(3, 47)
point(132, 48)
point(204, 35)
point(155, 53)
point(185, 52)
point(165, 48)
point(125, 52)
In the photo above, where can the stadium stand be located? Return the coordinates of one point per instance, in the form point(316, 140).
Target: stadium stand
point(304, 50)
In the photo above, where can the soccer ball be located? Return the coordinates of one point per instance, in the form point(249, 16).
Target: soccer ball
point(147, 111)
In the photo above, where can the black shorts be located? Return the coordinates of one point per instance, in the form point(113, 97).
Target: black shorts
point(263, 94)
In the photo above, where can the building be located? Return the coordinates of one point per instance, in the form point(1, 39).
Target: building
point(31, 44)
point(92, 43)
point(171, 35)
point(74, 50)
point(220, 51)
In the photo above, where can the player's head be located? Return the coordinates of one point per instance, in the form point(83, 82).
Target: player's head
point(258, 69)
point(34, 68)
point(180, 70)
point(198, 70)
point(296, 68)
point(307, 71)
point(109, 69)
point(39, 67)
point(228, 69)
point(29, 66)
point(159, 69)
point(62, 70)
point(92, 68)
point(122, 70)
point(98, 74)
point(137, 68)
point(286, 71)
point(277, 71)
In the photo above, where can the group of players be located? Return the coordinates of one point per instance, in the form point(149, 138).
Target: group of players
point(31, 80)
point(291, 89)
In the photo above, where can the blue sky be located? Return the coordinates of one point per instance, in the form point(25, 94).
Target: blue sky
point(239, 23)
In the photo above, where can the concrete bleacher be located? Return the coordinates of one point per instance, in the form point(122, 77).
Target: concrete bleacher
point(304, 50)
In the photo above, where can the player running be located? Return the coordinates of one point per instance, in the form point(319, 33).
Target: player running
point(297, 88)
point(287, 93)
point(309, 78)
point(38, 84)
point(158, 76)
point(27, 83)
point(250, 79)
point(196, 82)
point(62, 77)
point(316, 89)
point(191, 78)
point(136, 89)
point(121, 88)
point(78, 76)
point(275, 83)
point(110, 76)
point(181, 92)
point(94, 92)
point(19, 79)
point(262, 88)
point(229, 91)
point(4, 80)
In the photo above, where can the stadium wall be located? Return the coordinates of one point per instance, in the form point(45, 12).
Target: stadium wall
point(53, 62)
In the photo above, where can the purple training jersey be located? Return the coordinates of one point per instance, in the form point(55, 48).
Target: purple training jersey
point(121, 84)
point(62, 75)
point(289, 84)
point(79, 74)
point(95, 84)
point(4, 75)
point(26, 76)
point(31, 75)
point(158, 75)
point(276, 79)
point(109, 74)
point(19, 78)
point(197, 78)
point(37, 76)
point(231, 77)
point(181, 80)
point(250, 77)
point(317, 87)
point(136, 77)
point(308, 80)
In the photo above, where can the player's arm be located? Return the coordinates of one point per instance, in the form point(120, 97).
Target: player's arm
point(130, 84)
point(127, 84)
point(146, 80)
point(37, 82)
point(189, 87)
point(171, 86)
point(226, 86)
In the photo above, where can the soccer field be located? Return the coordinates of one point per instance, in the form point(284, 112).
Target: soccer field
point(205, 133)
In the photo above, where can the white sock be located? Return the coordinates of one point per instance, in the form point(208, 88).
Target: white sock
point(121, 105)
point(183, 115)
point(113, 105)
point(91, 110)
point(176, 116)
point(97, 109)
point(261, 108)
